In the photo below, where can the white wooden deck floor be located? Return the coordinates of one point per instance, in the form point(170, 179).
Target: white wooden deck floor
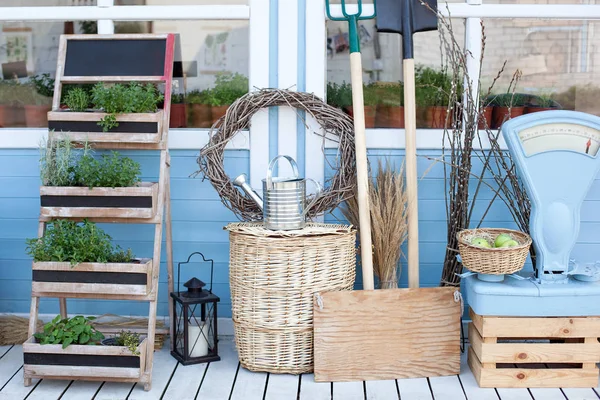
point(226, 380)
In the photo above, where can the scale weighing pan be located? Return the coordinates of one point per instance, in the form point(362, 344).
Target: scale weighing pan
point(556, 156)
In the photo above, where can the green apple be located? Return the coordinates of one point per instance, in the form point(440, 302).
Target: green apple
point(501, 239)
point(510, 243)
point(480, 242)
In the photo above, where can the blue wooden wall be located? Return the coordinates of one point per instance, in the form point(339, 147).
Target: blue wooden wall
point(198, 220)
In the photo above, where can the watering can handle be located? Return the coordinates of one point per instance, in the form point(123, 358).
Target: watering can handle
point(317, 194)
point(272, 164)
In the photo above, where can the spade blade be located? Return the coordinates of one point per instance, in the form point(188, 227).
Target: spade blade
point(406, 16)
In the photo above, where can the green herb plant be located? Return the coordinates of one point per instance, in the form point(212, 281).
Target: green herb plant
point(121, 99)
point(77, 99)
point(44, 85)
point(130, 340)
point(228, 88)
point(66, 331)
point(509, 100)
point(433, 87)
point(371, 95)
point(76, 242)
point(177, 98)
point(56, 162)
point(7, 92)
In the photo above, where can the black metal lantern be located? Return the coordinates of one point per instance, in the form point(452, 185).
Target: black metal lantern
point(195, 320)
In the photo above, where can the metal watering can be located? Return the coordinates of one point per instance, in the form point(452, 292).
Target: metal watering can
point(284, 199)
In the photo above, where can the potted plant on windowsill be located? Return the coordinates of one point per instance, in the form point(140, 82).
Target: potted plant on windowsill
point(119, 113)
point(78, 257)
point(390, 110)
point(78, 184)
point(541, 102)
point(128, 339)
point(178, 118)
point(371, 100)
point(200, 112)
point(8, 103)
point(228, 88)
point(507, 106)
point(433, 96)
point(40, 90)
point(68, 347)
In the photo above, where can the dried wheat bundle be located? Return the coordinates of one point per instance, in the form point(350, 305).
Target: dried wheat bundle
point(15, 330)
point(388, 200)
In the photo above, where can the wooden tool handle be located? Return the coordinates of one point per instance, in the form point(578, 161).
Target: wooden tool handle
point(410, 129)
point(362, 174)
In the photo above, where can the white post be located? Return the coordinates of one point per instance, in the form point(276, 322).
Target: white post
point(259, 78)
point(473, 36)
point(106, 26)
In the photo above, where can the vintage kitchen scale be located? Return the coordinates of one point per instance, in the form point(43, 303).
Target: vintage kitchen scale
point(542, 330)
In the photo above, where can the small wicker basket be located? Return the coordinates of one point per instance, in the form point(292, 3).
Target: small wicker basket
point(493, 261)
point(273, 276)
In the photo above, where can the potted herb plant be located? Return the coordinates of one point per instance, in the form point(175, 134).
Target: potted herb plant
point(77, 99)
point(73, 257)
point(507, 106)
point(344, 98)
point(371, 100)
point(178, 118)
point(79, 184)
point(73, 342)
point(40, 90)
point(7, 103)
point(390, 110)
point(433, 96)
point(200, 112)
point(128, 339)
point(228, 88)
point(486, 110)
point(541, 102)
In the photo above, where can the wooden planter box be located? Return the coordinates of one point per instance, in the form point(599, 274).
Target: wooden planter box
point(127, 202)
point(534, 352)
point(96, 278)
point(86, 362)
point(81, 126)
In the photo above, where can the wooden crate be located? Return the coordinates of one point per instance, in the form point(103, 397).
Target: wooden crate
point(83, 126)
point(83, 362)
point(93, 278)
point(534, 352)
point(123, 202)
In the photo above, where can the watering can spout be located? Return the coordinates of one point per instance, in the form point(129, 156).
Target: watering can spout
point(240, 181)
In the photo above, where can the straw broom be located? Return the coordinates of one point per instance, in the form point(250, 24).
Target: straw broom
point(389, 228)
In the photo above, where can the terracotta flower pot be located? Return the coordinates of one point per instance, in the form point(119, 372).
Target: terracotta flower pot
point(349, 110)
point(200, 116)
point(485, 118)
point(382, 117)
point(370, 113)
point(529, 110)
point(178, 117)
point(11, 116)
point(396, 117)
point(218, 112)
point(36, 116)
point(500, 113)
point(435, 117)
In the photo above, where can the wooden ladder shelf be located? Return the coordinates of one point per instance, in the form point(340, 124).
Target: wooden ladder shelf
point(89, 59)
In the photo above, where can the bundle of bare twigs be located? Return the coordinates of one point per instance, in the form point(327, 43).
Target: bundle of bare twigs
point(387, 198)
point(337, 126)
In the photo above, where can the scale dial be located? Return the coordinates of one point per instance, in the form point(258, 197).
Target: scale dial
point(560, 136)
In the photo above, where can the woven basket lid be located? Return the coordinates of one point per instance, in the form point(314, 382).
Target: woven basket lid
point(311, 229)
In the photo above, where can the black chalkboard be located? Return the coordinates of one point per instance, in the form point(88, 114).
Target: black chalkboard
point(115, 57)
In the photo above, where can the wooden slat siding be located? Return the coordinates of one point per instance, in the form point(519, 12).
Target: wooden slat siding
point(311, 390)
point(348, 391)
point(426, 339)
point(72, 372)
point(114, 290)
point(382, 390)
point(49, 389)
point(447, 388)
point(164, 364)
point(219, 378)
point(469, 384)
point(414, 388)
point(249, 385)
point(80, 390)
point(537, 327)
point(282, 386)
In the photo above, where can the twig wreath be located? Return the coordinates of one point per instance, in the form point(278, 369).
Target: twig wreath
point(336, 126)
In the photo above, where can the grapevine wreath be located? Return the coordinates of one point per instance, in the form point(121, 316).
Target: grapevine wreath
point(336, 126)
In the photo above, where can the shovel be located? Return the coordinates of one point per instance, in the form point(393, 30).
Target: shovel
point(362, 177)
point(407, 17)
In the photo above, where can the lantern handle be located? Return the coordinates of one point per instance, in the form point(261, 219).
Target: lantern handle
point(212, 265)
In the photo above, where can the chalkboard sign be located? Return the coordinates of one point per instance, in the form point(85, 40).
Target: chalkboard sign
point(122, 57)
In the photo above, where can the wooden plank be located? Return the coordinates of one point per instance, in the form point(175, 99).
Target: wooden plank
point(31, 347)
point(49, 389)
point(143, 189)
point(100, 296)
point(514, 394)
point(76, 372)
point(249, 385)
point(469, 384)
point(414, 388)
point(10, 364)
point(447, 388)
point(4, 350)
point(15, 389)
point(101, 212)
point(580, 393)
point(110, 79)
point(547, 393)
point(185, 381)
point(108, 137)
point(348, 391)
point(536, 327)
point(142, 267)
point(83, 289)
point(220, 376)
point(164, 365)
point(282, 386)
point(419, 339)
point(114, 390)
point(97, 116)
point(311, 390)
point(382, 390)
point(80, 390)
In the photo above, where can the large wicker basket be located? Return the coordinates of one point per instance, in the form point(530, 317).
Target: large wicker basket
point(273, 276)
point(493, 261)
